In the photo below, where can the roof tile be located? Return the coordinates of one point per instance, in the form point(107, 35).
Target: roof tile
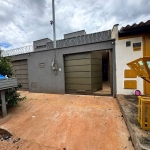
point(136, 25)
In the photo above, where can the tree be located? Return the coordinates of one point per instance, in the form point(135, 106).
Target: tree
point(12, 96)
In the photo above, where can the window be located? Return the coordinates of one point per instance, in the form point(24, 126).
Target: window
point(41, 46)
point(128, 43)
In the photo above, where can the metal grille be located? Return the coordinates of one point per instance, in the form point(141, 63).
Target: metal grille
point(75, 41)
point(137, 44)
point(17, 51)
point(80, 40)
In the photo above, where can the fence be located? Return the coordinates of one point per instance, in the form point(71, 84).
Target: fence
point(75, 41)
point(17, 51)
point(80, 40)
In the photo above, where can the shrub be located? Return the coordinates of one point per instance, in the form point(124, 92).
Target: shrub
point(6, 66)
point(12, 96)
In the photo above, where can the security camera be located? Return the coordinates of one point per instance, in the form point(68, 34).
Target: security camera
point(51, 22)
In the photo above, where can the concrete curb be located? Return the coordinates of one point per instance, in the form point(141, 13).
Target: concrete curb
point(135, 140)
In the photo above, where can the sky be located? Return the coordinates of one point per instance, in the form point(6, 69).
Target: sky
point(24, 21)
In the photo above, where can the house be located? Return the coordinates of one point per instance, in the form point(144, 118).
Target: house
point(132, 42)
point(81, 63)
point(85, 63)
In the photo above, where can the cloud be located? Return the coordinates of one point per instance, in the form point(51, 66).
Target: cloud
point(23, 22)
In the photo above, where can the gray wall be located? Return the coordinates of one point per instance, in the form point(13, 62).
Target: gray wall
point(74, 34)
point(41, 44)
point(41, 76)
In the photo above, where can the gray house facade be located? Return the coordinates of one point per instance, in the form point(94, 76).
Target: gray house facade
point(77, 64)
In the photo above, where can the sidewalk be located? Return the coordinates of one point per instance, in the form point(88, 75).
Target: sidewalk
point(129, 107)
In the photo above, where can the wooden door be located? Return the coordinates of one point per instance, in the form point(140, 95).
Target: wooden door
point(146, 52)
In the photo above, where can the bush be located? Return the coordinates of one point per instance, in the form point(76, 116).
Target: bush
point(6, 66)
point(12, 96)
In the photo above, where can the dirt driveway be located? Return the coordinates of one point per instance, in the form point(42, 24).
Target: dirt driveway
point(66, 122)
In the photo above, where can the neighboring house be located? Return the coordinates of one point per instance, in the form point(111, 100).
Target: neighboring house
point(132, 42)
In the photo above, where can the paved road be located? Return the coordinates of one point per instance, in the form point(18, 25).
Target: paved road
point(66, 122)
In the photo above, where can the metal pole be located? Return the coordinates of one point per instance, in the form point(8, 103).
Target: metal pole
point(54, 32)
point(4, 109)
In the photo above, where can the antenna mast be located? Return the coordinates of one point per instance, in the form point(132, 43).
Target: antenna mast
point(54, 31)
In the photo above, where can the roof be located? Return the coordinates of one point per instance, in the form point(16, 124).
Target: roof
point(141, 24)
point(141, 28)
point(42, 39)
point(75, 32)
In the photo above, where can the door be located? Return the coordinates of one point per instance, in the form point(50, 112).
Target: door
point(83, 72)
point(77, 72)
point(146, 52)
point(21, 71)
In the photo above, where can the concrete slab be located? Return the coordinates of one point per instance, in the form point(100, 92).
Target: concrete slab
point(66, 122)
point(129, 107)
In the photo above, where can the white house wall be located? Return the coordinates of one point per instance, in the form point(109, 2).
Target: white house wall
point(123, 56)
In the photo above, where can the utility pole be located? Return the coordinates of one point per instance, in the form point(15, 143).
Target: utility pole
point(54, 32)
point(52, 22)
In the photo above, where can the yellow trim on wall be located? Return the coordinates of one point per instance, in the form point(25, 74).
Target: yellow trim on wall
point(128, 73)
point(144, 83)
point(128, 37)
point(130, 84)
point(136, 48)
point(146, 52)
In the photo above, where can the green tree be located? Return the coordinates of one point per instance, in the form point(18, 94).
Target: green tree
point(6, 66)
point(12, 96)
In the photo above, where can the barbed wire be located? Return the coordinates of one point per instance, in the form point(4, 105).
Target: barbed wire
point(17, 51)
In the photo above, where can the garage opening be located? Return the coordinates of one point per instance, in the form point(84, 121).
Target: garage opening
point(88, 73)
point(21, 72)
point(106, 74)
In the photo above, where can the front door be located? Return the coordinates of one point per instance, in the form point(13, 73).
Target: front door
point(146, 53)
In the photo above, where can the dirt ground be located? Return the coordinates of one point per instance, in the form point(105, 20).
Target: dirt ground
point(65, 122)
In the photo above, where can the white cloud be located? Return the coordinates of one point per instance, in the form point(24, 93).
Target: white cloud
point(24, 21)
